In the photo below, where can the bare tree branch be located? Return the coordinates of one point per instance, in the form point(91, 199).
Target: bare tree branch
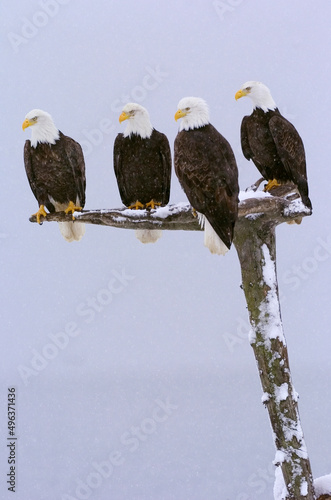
point(281, 208)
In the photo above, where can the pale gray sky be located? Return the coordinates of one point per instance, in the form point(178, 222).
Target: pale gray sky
point(129, 327)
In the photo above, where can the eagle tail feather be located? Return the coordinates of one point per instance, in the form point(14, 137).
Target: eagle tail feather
point(72, 231)
point(212, 241)
point(148, 235)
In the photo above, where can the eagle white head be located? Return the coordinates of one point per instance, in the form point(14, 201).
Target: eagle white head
point(43, 128)
point(194, 113)
point(138, 120)
point(259, 93)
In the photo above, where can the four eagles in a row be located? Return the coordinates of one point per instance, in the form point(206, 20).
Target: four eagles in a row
point(204, 163)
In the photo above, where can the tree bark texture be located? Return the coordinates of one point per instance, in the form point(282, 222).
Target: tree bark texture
point(255, 245)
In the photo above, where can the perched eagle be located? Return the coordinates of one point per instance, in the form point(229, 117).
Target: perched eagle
point(55, 168)
point(207, 171)
point(272, 142)
point(142, 164)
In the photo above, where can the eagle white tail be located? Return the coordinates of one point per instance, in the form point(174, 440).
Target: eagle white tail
point(211, 239)
point(72, 231)
point(148, 235)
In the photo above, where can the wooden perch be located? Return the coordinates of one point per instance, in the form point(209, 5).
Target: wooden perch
point(280, 208)
point(256, 248)
point(254, 239)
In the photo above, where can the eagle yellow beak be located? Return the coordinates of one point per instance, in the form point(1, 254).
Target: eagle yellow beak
point(179, 114)
point(27, 123)
point(123, 116)
point(240, 93)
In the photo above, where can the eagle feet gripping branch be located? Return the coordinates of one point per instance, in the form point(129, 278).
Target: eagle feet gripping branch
point(271, 184)
point(40, 212)
point(72, 208)
point(152, 204)
point(136, 206)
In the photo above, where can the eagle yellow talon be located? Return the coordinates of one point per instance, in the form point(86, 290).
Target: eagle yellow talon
point(194, 212)
point(40, 212)
point(271, 184)
point(136, 205)
point(153, 204)
point(72, 208)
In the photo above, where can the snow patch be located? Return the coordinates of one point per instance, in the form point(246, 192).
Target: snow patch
point(164, 212)
point(292, 430)
point(268, 270)
point(253, 216)
point(245, 195)
point(251, 337)
point(136, 213)
point(270, 320)
point(280, 490)
point(280, 457)
point(265, 397)
point(296, 206)
point(281, 393)
point(295, 395)
point(323, 485)
point(304, 488)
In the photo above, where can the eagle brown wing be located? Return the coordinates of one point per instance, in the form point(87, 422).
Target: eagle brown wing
point(165, 154)
point(28, 168)
point(252, 136)
point(246, 149)
point(38, 190)
point(118, 168)
point(291, 151)
point(207, 170)
point(75, 158)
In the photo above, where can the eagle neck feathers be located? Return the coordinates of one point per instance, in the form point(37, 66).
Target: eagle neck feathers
point(48, 134)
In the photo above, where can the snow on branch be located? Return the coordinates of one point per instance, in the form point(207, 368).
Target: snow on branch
point(284, 205)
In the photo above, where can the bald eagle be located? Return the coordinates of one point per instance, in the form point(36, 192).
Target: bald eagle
point(207, 171)
point(142, 165)
point(272, 142)
point(55, 168)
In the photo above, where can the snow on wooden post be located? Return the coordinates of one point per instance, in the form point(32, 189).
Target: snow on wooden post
point(255, 245)
point(259, 214)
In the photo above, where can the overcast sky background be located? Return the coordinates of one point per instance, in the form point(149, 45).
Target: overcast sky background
point(172, 330)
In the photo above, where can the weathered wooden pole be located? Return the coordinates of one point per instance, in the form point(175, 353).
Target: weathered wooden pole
point(255, 244)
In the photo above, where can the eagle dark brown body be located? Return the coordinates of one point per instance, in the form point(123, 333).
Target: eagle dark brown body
point(207, 171)
point(143, 168)
point(56, 172)
point(276, 148)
